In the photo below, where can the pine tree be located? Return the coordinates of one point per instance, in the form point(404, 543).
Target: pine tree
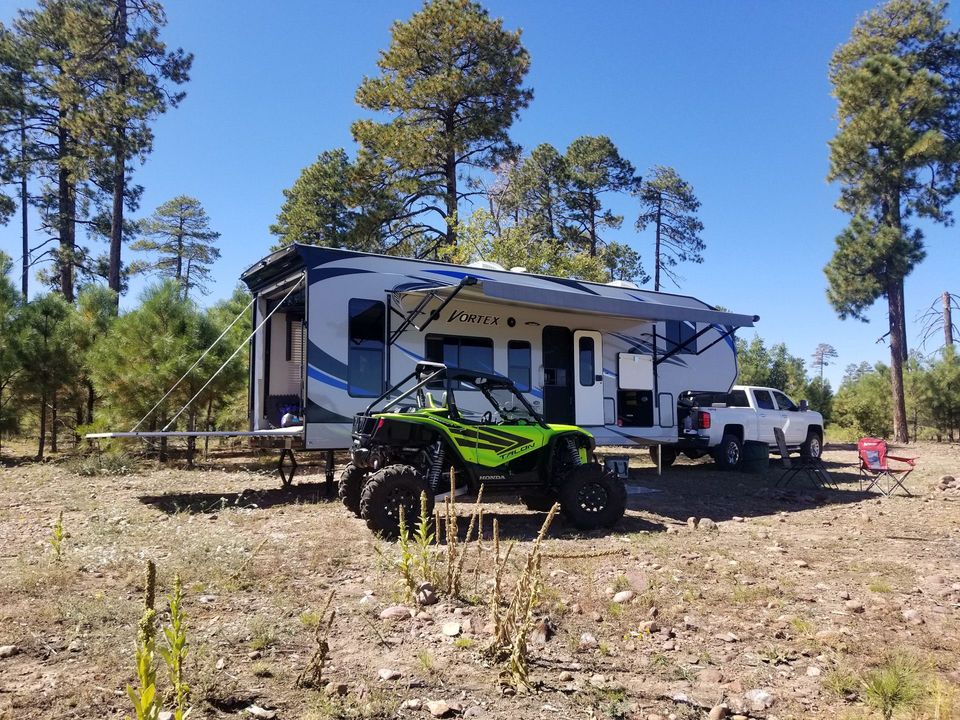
point(822, 356)
point(179, 232)
point(595, 168)
point(897, 84)
point(451, 81)
point(669, 204)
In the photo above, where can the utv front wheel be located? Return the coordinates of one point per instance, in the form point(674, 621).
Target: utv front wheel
point(592, 497)
point(386, 492)
point(350, 486)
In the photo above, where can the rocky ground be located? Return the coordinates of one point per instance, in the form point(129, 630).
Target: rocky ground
point(718, 595)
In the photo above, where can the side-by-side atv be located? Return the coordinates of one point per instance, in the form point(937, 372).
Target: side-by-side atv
point(407, 442)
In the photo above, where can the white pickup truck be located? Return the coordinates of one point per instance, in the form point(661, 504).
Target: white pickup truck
point(719, 424)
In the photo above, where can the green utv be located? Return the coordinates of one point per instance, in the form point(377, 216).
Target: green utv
point(413, 443)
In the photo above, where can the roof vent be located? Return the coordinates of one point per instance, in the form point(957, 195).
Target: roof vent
point(486, 265)
point(518, 269)
point(623, 284)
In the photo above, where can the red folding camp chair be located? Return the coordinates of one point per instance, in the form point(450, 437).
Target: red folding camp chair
point(875, 469)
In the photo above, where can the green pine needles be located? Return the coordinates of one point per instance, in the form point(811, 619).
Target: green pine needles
point(56, 538)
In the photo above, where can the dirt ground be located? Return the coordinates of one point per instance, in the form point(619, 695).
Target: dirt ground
point(782, 610)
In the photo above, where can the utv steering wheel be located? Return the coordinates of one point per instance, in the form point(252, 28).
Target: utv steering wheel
point(487, 417)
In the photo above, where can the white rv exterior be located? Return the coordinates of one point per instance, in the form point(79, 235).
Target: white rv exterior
point(611, 358)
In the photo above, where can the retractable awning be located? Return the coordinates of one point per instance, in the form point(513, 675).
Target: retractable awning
point(626, 305)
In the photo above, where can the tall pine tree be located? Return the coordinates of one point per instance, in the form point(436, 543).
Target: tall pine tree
point(895, 155)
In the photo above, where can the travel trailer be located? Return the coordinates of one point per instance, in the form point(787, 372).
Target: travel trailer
point(334, 328)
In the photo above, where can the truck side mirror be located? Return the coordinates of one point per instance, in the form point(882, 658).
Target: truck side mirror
point(804, 406)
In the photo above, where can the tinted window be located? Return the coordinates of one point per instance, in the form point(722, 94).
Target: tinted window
point(586, 356)
point(783, 402)
point(764, 401)
point(738, 398)
point(519, 364)
point(366, 348)
point(679, 332)
point(461, 352)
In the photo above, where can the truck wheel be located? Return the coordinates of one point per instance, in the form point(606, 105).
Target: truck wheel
point(540, 502)
point(592, 497)
point(668, 453)
point(729, 453)
point(350, 486)
point(813, 447)
point(386, 492)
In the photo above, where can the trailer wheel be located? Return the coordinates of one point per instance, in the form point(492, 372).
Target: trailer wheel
point(539, 502)
point(386, 492)
point(729, 453)
point(350, 486)
point(668, 454)
point(813, 447)
point(592, 497)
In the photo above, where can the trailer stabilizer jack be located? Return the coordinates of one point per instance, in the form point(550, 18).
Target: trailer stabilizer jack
point(287, 474)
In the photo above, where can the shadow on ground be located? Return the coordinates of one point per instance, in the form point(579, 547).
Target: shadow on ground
point(699, 489)
point(262, 499)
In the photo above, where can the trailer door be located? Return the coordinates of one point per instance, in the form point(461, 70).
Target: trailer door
point(588, 377)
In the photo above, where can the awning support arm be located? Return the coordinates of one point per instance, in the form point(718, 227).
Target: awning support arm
point(686, 343)
point(408, 320)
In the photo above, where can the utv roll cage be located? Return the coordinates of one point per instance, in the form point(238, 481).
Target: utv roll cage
point(428, 373)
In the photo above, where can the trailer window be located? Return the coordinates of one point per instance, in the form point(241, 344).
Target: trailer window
point(366, 348)
point(519, 364)
point(470, 353)
point(587, 363)
point(680, 332)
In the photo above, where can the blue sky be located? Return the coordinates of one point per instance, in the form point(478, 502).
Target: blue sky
point(734, 95)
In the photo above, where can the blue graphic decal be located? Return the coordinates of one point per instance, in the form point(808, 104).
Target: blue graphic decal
point(460, 275)
point(637, 297)
point(536, 392)
point(410, 353)
point(324, 378)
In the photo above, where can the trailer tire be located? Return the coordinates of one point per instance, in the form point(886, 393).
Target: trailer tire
point(729, 453)
point(539, 502)
point(349, 487)
point(385, 492)
point(668, 454)
point(813, 447)
point(592, 497)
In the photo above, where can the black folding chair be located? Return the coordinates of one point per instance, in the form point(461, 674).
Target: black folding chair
point(812, 467)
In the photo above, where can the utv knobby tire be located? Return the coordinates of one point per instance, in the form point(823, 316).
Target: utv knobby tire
point(592, 497)
point(385, 492)
point(539, 502)
point(668, 454)
point(349, 487)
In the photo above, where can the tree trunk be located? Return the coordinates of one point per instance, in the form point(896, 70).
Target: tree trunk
point(450, 196)
point(897, 343)
point(53, 423)
point(91, 398)
point(43, 426)
point(24, 199)
point(592, 227)
point(656, 279)
point(76, 435)
point(191, 440)
point(66, 208)
point(206, 426)
point(947, 321)
point(119, 165)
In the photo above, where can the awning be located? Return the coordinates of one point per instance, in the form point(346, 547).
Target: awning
point(526, 295)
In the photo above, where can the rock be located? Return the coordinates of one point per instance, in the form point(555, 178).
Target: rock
point(707, 524)
point(710, 675)
point(689, 623)
point(737, 518)
point(854, 606)
point(207, 599)
point(542, 632)
point(368, 601)
point(221, 663)
point(336, 689)
point(588, 642)
point(624, 596)
point(439, 708)
point(474, 711)
point(598, 681)
point(259, 712)
point(692, 522)
point(388, 674)
point(75, 645)
point(801, 563)
point(648, 626)
point(165, 715)
point(758, 699)
point(8, 651)
point(814, 671)
point(596, 617)
point(844, 595)
point(911, 616)
point(396, 612)
point(411, 704)
point(426, 595)
point(948, 480)
point(254, 655)
point(566, 676)
point(670, 645)
point(576, 609)
point(727, 637)
point(451, 629)
point(718, 712)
